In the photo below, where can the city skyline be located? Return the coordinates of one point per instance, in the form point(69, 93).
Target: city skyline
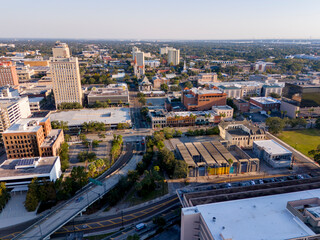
point(178, 20)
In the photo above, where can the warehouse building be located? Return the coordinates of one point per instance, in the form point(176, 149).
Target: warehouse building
point(212, 158)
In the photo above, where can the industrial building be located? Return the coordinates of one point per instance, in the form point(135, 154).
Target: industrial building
point(212, 158)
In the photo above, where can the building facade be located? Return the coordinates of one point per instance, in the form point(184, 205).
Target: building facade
point(32, 137)
point(272, 153)
point(173, 56)
point(113, 93)
point(66, 80)
point(199, 99)
point(61, 50)
point(8, 74)
point(266, 103)
point(241, 133)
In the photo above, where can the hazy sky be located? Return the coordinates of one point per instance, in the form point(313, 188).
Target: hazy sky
point(160, 19)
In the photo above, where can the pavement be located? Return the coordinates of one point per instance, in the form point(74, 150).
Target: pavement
point(15, 212)
point(50, 223)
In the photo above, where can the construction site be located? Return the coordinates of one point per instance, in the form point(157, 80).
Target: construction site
point(213, 158)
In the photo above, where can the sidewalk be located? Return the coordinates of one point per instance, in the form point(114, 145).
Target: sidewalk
point(15, 212)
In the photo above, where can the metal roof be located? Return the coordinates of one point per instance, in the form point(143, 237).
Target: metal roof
point(204, 153)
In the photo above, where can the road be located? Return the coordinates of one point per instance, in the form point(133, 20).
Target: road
point(59, 217)
point(106, 223)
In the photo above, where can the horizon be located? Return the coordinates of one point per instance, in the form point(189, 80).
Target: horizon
point(165, 20)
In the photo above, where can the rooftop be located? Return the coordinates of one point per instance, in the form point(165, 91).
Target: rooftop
point(255, 218)
point(15, 168)
point(26, 125)
point(36, 99)
point(105, 115)
point(51, 138)
point(265, 100)
point(272, 147)
point(225, 107)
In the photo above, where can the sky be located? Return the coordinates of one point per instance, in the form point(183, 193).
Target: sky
point(160, 19)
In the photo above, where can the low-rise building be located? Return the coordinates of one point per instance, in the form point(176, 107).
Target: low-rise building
point(242, 105)
point(18, 173)
point(231, 91)
point(241, 133)
point(152, 63)
point(32, 137)
point(201, 99)
point(272, 153)
point(207, 77)
point(35, 104)
point(266, 103)
point(271, 88)
point(158, 81)
point(25, 73)
point(263, 66)
point(145, 84)
point(225, 112)
point(111, 117)
point(158, 118)
point(113, 93)
point(250, 218)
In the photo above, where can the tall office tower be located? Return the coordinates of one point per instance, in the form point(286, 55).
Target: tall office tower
point(8, 74)
point(174, 56)
point(61, 50)
point(66, 79)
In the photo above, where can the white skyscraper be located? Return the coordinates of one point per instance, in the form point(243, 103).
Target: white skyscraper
point(65, 77)
point(173, 56)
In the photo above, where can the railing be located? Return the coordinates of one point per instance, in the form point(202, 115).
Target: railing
point(108, 173)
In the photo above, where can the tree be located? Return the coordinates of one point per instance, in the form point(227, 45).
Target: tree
point(274, 95)
point(180, 169)
point(4, 195)
point(99, 164)
point(188, 84)
point(32, 200)
point(164, 87)
point(60, 125)
point(64, 156)
point(142, 100)
point(67, 137)
point(275, 124)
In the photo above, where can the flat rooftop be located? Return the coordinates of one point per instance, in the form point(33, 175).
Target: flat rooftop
point(265, 100)
point(51, 138)
point(36, 99)
point(106, 115)
point(26, 125)
point(43, 165)
point(272, 147)
point(255, 218)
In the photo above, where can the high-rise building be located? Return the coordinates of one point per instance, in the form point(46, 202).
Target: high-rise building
point(173, 56)
point(138, 67)
point(66, 79)
point(8, 74)
point(61, 50)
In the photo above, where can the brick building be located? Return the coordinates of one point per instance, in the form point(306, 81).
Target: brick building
point(199, 99)
point(266, 103)
point(8, 74)
point(32, 137)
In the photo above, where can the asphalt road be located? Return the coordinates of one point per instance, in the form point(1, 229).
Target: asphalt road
point(117, 221)
point(72, 207)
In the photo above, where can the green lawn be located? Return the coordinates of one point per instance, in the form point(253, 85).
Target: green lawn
point(302, 140)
